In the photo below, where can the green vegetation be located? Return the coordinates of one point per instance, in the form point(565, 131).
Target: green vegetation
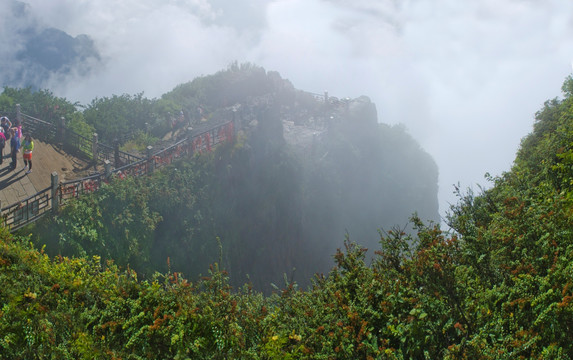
point(276, 206)
point(41, 104)
point(497, 286)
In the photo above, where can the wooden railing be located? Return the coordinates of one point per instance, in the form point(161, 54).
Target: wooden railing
point(42, 130)
point(76, 144)
point(118, 164)
point(27, 211)
point(116, 156)
point(58, 194)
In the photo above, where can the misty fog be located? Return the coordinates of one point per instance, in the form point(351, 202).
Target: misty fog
point(464, 78)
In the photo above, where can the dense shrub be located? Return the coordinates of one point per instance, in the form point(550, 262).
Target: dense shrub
point(497, 286)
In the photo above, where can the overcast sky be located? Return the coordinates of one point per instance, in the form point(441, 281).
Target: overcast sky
point(464, 77)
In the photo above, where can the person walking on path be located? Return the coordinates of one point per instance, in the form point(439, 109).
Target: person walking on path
point(27, 147)
point(14, 148)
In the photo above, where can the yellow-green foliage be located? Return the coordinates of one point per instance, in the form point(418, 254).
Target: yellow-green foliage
point(500, 286)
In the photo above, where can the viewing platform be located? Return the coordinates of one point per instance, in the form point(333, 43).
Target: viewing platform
point(16, 185)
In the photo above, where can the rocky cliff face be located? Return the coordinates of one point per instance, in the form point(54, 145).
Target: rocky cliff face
point(304, 127)
point(358, 175)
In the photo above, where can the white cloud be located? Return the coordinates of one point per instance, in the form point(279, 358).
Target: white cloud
point(465, 77)
point(147, 45)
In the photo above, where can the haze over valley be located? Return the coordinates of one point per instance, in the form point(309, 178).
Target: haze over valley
point(271, 179)
point(465, 79)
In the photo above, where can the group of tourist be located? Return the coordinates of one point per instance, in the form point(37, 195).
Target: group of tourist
point(12, 134)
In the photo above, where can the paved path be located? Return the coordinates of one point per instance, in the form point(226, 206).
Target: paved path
point(16, 185)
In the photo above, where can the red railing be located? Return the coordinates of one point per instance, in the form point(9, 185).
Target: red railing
point(24, 212)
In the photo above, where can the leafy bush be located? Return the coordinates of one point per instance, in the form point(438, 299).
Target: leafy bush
point(140, 142)
point(496, 286)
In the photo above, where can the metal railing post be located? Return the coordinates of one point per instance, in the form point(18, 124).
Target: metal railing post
point(55, 199)
point(150, 160)
point(107, 169)
point(18, 115)
point(61, 130)
point(95, 148)
point(116, 153)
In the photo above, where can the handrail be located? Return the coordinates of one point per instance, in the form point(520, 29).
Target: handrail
point(36, 119)
point(76, 142)
point(26, 211)
point(21, 213)
point(106, 152)
point(29, 210)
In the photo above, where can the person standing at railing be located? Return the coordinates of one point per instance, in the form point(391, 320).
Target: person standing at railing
point(14, 147)
point(27, 147)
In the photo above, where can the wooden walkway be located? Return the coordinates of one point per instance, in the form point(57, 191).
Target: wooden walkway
point(16, 185)
point(25, 197)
